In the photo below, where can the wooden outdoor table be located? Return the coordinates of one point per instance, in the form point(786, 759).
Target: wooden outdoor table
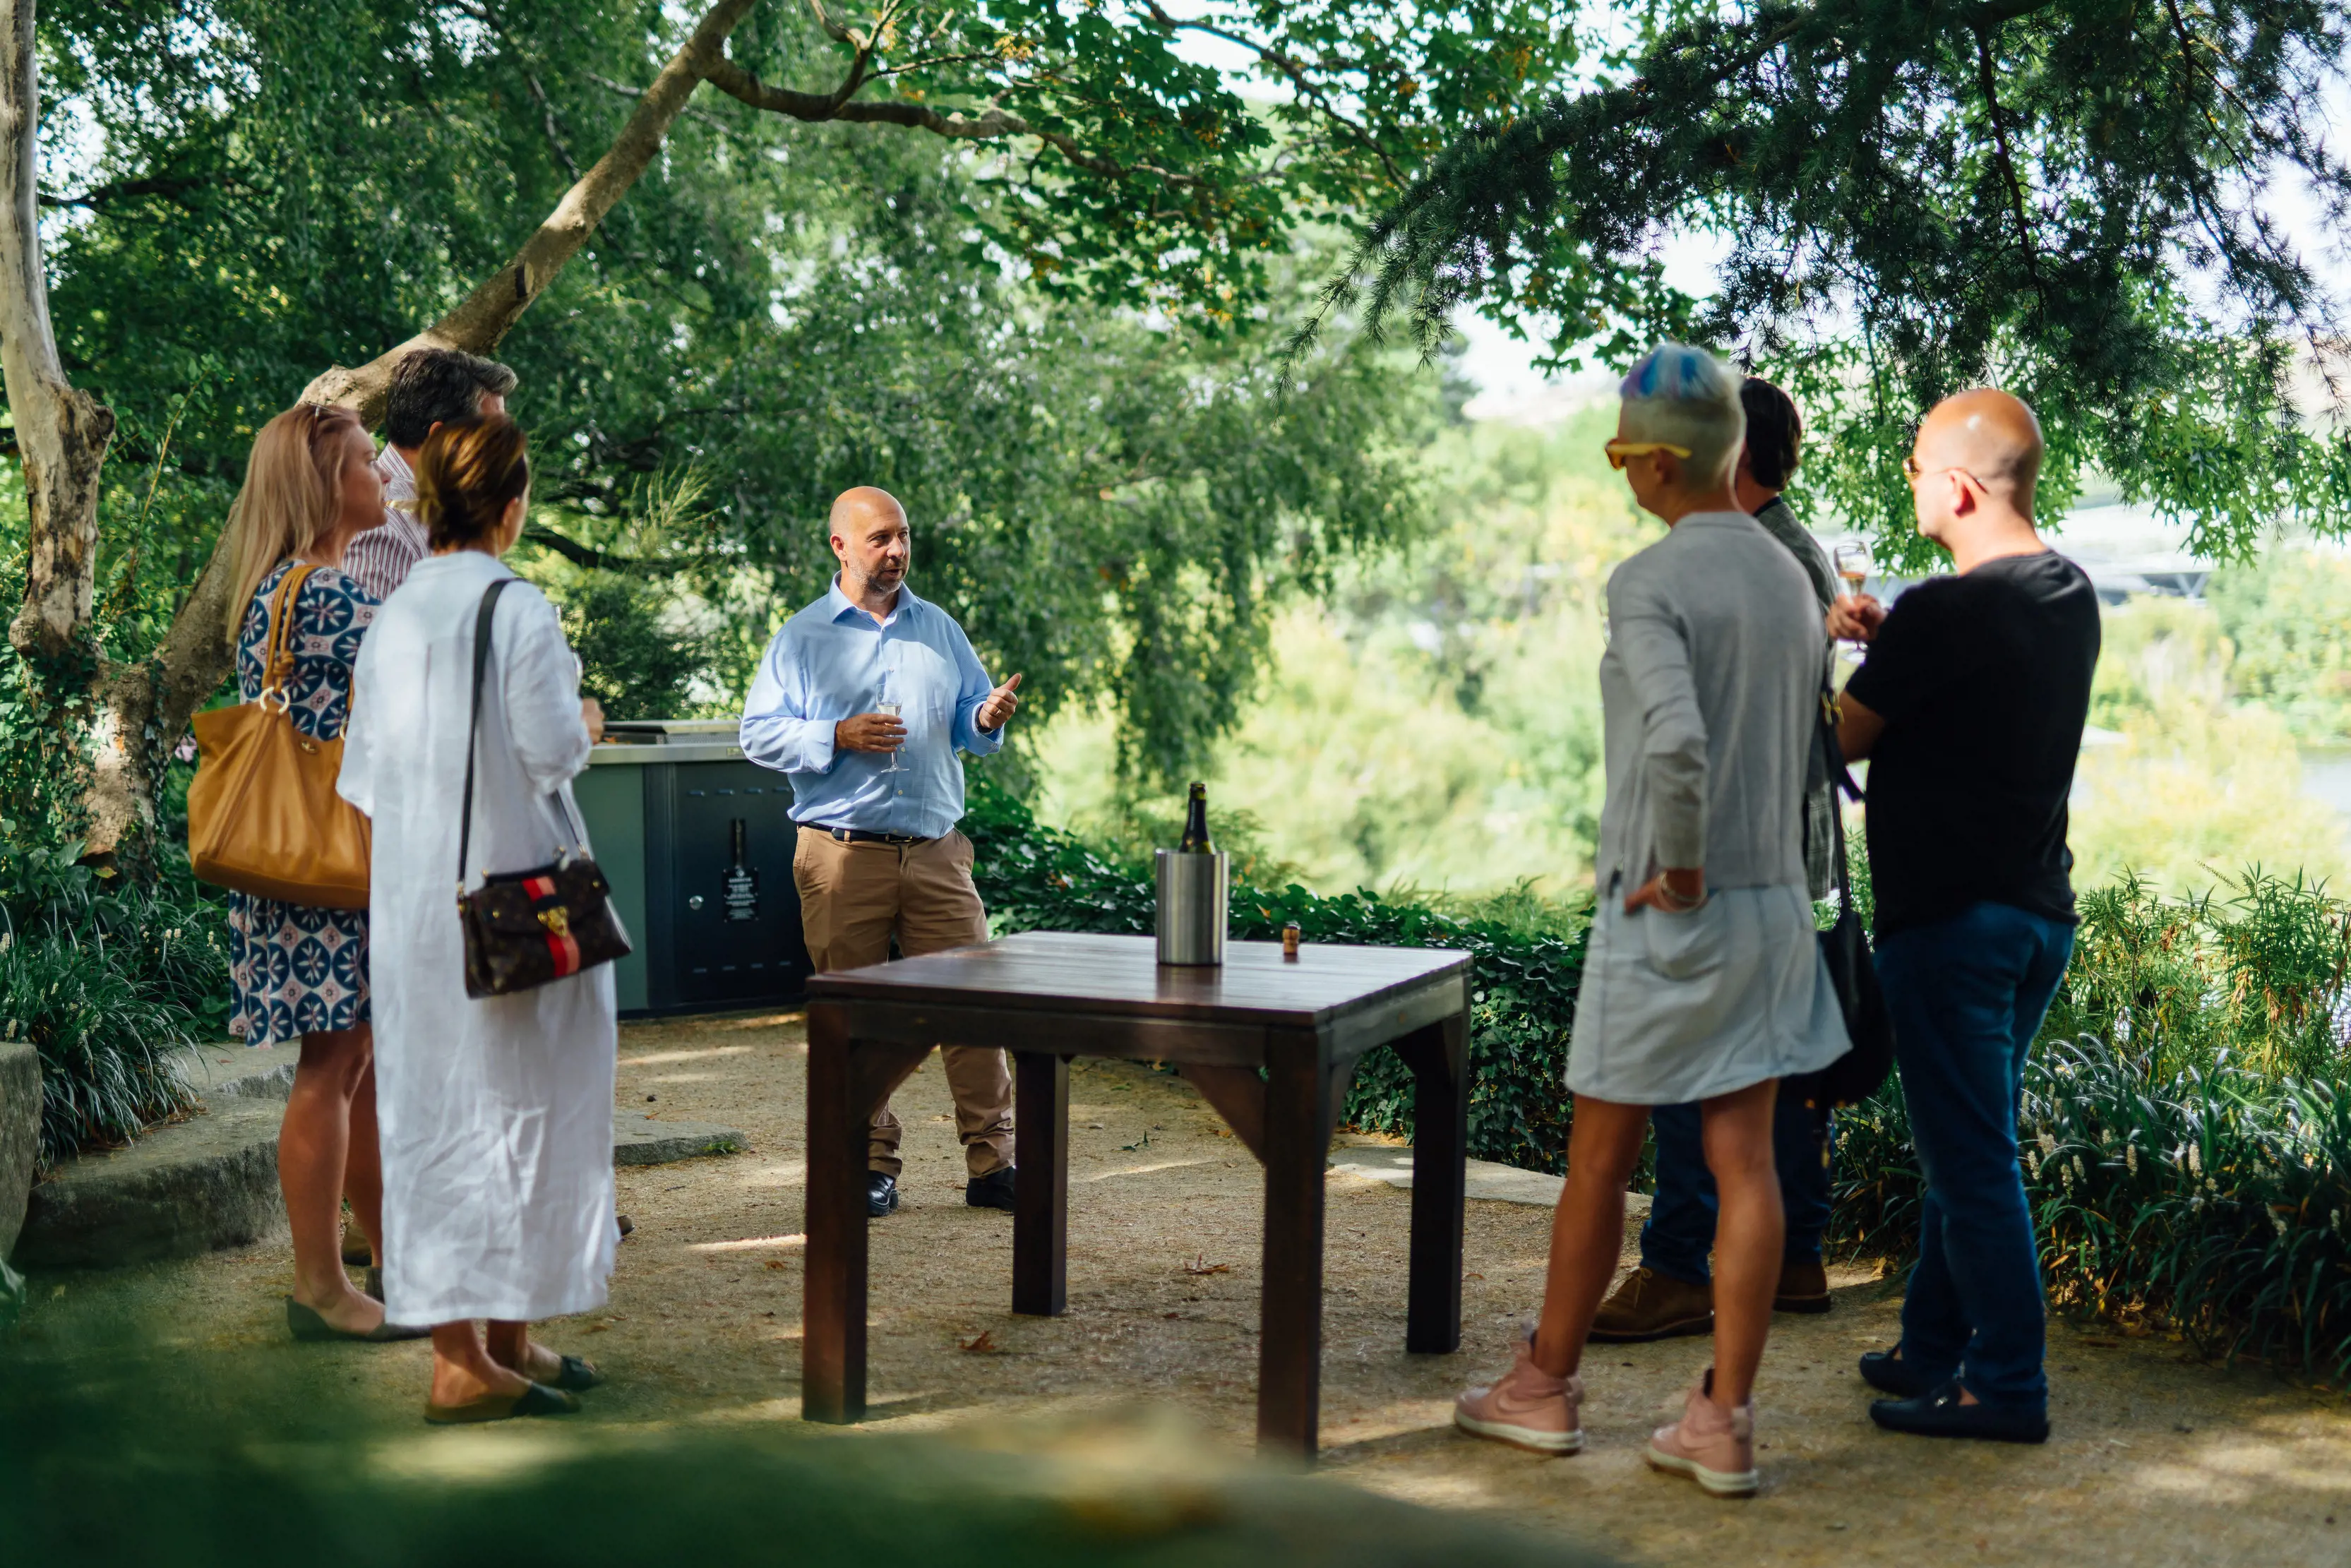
point(1270, 1043)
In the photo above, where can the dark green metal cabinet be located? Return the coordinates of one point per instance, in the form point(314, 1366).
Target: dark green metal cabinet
point(697, 843)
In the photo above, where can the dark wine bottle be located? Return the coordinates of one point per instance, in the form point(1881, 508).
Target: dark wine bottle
point(1195, 825)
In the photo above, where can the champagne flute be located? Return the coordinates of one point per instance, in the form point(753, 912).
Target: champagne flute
point(1853, 567)
point(1853, 564)
point(889, 709)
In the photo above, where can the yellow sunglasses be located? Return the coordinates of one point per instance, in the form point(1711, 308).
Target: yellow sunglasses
point(1620, 451)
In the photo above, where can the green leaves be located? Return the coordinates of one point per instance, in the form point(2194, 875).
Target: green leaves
point(2209, 1201)
point(1922, 199)
point(107, 988)
point(1110, 499)
point(1141, 176)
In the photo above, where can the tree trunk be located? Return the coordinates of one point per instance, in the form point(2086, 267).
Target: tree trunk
point(141, 710)
point(61, 432)
point(62, 435)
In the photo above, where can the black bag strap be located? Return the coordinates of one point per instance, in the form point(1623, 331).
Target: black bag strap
point(482, 618)
point(1840, 778)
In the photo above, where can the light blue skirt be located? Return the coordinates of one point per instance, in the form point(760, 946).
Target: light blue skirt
point(1676, 1008)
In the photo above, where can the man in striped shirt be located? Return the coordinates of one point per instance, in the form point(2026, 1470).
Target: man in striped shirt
point(430, 388)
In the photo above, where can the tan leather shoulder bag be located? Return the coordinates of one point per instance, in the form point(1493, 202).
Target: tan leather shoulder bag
point(263, 814)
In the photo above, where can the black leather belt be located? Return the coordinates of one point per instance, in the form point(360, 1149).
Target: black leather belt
point(860, 836)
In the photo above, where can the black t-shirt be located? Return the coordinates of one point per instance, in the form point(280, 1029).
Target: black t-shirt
point(1983, 682)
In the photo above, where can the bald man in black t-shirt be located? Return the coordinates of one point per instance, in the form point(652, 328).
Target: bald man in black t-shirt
point(1970, 710)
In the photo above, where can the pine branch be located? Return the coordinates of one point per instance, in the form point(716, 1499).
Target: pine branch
point(1987, 77)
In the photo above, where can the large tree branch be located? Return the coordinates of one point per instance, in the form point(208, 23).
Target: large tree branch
point(995, 124)
point(96, 197)
point(479, 323)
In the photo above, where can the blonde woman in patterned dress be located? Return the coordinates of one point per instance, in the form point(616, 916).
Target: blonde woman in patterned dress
point(300, 974)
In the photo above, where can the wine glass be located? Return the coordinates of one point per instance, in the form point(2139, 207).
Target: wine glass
point(889, 709)
point(1853, 564)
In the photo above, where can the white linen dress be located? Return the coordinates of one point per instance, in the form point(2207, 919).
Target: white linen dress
point(496, 1115)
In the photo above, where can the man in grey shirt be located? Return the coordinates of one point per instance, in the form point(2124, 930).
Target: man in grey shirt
point(1672, 1292)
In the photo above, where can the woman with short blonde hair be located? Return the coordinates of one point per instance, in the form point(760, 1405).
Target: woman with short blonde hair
point(1703, 978)
point(299, 973)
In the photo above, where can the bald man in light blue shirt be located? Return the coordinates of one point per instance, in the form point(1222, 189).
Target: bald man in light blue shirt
point(863, 700)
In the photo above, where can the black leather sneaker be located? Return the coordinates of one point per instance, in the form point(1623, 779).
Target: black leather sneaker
point(881, 1195)
point(1941, 1414)
point(993, 1190)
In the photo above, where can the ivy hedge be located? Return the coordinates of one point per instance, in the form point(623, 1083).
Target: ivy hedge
point(2185, 1135)
point(1522, 990)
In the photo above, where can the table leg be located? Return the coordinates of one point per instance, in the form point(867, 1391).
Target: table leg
point(1290, 1340)
point(1040, 1213)
point(1437, 1056)
point(832, 1305)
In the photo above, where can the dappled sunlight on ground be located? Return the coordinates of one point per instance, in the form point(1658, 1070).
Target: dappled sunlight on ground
point(2156, 1458)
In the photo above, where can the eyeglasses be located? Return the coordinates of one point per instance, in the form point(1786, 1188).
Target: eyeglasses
point(1620, 451)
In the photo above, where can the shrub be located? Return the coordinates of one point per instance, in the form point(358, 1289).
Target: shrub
point(2212, 1199)
point(103, 1032)
point(631, 659)
point(107, 987)
point(1525, 961)
point(2258, 976)
point(2186, 1152)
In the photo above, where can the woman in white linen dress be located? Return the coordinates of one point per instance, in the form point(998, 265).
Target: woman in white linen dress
point(1703, 979)
point(496, 1114)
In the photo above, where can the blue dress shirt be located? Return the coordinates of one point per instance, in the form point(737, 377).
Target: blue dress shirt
point(833, 660)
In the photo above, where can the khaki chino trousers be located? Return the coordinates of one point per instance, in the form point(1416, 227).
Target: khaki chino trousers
point(853, 899)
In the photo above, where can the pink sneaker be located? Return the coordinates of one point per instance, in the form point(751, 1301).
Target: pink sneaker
point(1526, 1407)
point(1715, 1449)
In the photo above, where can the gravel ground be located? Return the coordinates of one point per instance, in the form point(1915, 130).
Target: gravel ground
point(2158, 1458)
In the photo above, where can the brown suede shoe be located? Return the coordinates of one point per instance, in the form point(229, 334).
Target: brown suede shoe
point(1650, 1305)
point(1803, 1287)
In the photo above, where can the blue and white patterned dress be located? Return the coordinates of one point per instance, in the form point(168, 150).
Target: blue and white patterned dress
point(299, 970)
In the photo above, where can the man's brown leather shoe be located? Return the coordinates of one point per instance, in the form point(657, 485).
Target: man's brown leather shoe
point(1804, 1287)
point(1650, 1305)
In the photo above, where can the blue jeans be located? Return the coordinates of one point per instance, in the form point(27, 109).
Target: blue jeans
point(1679, 1235)
point(1968, 994)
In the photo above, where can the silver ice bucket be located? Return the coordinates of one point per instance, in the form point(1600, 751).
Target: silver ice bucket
point(1193, 891)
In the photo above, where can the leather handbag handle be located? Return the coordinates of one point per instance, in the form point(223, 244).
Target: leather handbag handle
point(277, 655)
point(482, 618)
point(481, 621)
